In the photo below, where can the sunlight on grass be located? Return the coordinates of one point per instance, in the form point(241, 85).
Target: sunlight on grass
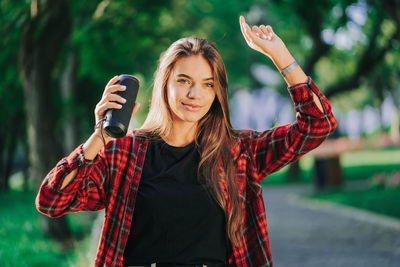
point(371, 157)
point(379, 201)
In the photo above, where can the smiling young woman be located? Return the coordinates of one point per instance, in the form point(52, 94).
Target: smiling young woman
point(184, 189)
point(190, 94)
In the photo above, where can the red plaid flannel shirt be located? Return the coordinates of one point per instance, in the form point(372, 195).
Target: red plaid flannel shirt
point(111, 180)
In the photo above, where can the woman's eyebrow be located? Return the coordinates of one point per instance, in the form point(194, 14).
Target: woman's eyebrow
point(187, 76)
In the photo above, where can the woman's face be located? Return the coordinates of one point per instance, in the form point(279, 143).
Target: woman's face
point(190, 89)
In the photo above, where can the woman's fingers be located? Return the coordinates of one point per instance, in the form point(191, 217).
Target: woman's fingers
point(112, 81)
point(114, 97)
point(243, 29)
point(253, 36)
point(267, 31)
point(101, 108)
point(261, 38)
point(114, 88)
point(257, 31)
point(109, 99)
point(241, 22)
point(247, 32)
point(264, 30)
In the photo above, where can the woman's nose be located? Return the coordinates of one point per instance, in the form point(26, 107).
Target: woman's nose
point(193, 92)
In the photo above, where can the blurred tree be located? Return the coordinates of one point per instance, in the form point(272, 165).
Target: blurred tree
point(43, 37)
point(13, 130)
point(372, 54)
point(392, 72)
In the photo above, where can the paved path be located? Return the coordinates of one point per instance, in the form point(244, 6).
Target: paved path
point(302, 234)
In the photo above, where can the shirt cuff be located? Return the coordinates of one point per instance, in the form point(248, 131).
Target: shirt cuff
point(76, 159)
point(302, 97)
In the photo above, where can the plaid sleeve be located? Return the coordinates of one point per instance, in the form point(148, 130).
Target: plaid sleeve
point(85, 192)
point(279, 146)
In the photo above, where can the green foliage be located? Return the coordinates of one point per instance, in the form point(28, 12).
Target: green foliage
point(12, 15)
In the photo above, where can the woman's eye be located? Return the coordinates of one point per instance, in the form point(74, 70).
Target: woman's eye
point(209, 85)
point(183, 81)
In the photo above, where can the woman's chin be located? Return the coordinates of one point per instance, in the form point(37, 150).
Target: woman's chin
point(189, 118)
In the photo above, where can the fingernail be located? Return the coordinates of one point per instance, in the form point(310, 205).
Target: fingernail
point(264, 36)
point(244, 25)
point(123, 100)
point(123, 87)
point(119, 105)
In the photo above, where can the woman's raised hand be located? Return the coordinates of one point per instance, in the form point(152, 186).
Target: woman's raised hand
point(111, 100)
point(262, 39)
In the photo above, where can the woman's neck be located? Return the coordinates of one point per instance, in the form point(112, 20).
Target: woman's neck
point(181, 134)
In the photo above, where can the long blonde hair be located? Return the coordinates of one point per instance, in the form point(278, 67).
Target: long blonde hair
point(214, 134)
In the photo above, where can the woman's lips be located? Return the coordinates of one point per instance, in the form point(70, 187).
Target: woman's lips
point(191, 107)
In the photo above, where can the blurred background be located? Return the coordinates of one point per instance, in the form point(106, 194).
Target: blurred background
point(56, 57)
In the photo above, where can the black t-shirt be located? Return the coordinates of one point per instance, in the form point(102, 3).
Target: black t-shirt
point(175, 220)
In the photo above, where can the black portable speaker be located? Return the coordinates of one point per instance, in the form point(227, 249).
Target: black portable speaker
point(117, 120)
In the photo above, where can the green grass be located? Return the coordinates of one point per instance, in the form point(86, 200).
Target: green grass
point(356, 165)
point(21, 240)
point(385, 201)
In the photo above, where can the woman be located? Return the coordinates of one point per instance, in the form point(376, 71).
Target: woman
point(184, 190)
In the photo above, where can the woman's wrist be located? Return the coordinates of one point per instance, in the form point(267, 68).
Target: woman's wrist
point(100, 134)
point(94, 144)
point(282, 58)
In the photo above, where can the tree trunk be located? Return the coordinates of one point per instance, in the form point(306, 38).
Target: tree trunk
point(42, 39)
point(68, 89)
point(25, 167)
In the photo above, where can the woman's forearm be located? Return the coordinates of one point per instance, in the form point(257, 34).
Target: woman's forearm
point(284, 59)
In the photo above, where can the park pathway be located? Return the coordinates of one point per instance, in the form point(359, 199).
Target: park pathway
point(305, 233)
